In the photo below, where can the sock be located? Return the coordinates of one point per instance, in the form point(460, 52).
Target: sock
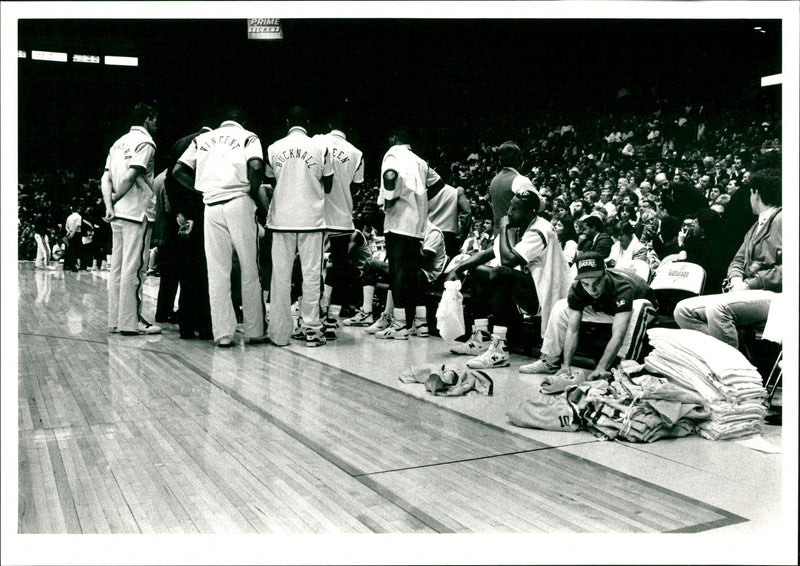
point(420, 312)
point(399, 315)
point(334, 310)
point(481, 324)
point(499, 332)
point(369, 295)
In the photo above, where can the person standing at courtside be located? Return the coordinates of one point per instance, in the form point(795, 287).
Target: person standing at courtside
point(406, 182)
point(228, 169)
point(127, 186)
point(299, 169)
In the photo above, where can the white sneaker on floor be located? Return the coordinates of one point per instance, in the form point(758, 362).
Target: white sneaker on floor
point(384, 322)
point(478, 343)
point(420, 328)
point(329, 326)
point(315, 338)
point(397, 331)
point(143, 328)
point(496, 356)
point(361, 318)
point(539, 366)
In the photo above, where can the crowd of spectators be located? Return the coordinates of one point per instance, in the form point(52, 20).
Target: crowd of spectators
point(605, 166)
point(613, 168)
point(45, 201)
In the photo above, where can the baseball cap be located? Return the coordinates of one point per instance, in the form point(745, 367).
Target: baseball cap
point(590, 264)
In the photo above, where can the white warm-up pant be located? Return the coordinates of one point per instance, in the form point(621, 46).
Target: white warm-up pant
point(285, 246)
point(230, 226)
point(556, 332)
point(130, 242)
point(42, 250)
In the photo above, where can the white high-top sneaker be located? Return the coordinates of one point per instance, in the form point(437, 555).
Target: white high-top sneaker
point(397, 331)
point(384, 322)
point(478, 343)
point(496, 356)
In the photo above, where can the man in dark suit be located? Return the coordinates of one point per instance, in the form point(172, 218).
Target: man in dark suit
point(592, 236)
point(678, 198)
point(194, 311)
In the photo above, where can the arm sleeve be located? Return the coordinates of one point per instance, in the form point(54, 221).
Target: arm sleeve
point(432, 177)
point(574, 300)
point(143, 155)
point(433, 241)
point(359, 174)
point(252, 148)
point(604, 245)
point(189, 157)
point(531, 245)
point(623, 300)
point(736, 267)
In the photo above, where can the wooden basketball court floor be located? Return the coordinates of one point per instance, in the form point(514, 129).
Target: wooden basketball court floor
point(153, 434)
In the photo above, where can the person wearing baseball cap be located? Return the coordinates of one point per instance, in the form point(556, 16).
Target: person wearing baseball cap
point(597, 295)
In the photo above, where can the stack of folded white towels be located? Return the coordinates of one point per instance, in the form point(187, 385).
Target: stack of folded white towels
point(730, 385)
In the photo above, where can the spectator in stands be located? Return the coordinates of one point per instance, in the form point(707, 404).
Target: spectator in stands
point(593, 238)
point(606, 196)
point(754, 275)
point(626, 247)
point(472, 243)
point(677, 198)
point(567, 237)
point(699, 243)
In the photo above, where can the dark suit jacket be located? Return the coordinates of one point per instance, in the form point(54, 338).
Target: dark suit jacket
point(601, 244)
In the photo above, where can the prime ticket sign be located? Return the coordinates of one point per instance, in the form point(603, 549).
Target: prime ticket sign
point(264, 28)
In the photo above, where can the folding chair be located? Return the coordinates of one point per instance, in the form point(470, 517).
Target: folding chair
point(673, 282)
point(636, 267)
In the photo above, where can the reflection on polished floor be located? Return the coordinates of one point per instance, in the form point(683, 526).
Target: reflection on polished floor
point(153, 434)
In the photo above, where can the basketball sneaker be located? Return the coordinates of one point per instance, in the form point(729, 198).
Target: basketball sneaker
point(478, 343)
point(397, 331)
point(361, 318)
point(420, 328)
point(315, 338)
point(496, 356)
point(329, 326)
point(539, 366)
point(384, 322)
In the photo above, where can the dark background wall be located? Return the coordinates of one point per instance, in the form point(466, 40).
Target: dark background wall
point(449, 79)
